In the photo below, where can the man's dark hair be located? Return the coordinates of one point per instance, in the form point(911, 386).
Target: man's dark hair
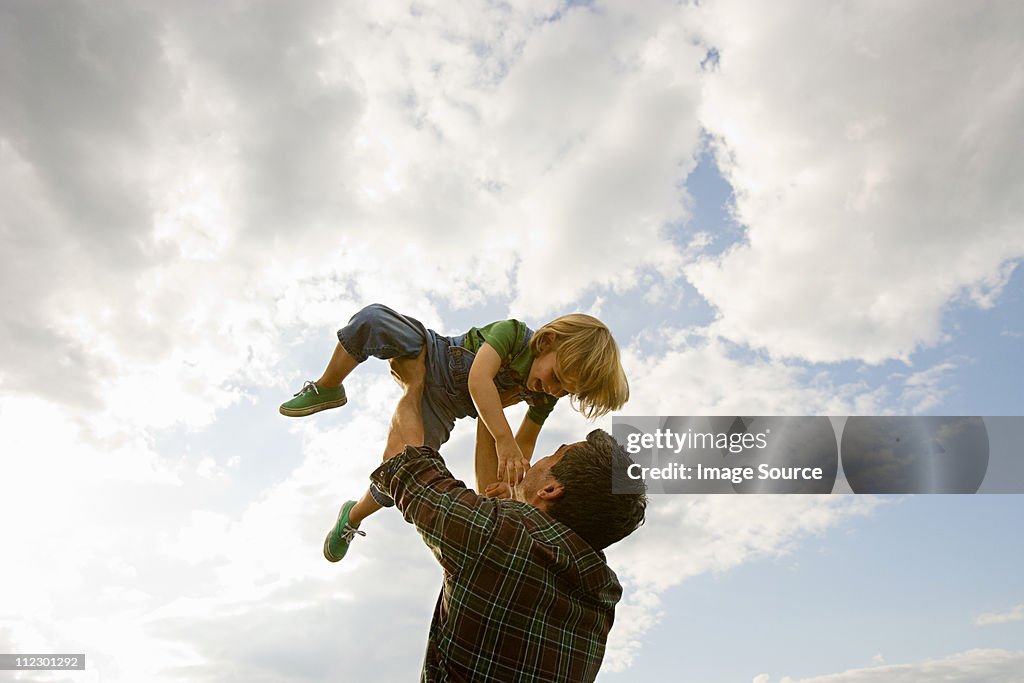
point(587, 504)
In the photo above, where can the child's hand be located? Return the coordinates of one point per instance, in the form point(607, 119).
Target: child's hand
point(511, 463)
point(498, 489)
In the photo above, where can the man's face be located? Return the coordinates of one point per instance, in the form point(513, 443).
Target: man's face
point(539, 476)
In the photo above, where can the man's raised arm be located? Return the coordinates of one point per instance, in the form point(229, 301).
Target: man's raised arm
point(453, 520)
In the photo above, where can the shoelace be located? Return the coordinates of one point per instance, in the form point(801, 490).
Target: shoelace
point(310, 384)
point(349, 532)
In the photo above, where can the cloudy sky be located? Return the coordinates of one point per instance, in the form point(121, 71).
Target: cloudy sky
point(780, 208)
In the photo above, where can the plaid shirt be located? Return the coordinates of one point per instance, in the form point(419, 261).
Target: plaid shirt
point(525, 599)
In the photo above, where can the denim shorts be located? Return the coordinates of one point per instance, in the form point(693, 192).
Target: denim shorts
point(383, 333)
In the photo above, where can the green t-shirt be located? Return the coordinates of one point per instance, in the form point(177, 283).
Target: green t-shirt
point(509, 339)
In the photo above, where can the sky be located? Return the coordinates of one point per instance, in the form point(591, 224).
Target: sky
point(790, 208)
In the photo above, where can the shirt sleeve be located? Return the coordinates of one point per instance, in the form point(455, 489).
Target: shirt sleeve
point(455, 522)
point(541, 408)
point(504, 336)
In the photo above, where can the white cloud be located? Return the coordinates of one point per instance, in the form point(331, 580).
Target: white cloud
point(874, 162)
point(696, 369)
point(605, 129)
point(972, 666)
point(273, 176)
point(924, 390)
point(276, 169)
point(990, 618)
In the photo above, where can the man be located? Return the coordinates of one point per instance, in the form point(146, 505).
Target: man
point(527, 593)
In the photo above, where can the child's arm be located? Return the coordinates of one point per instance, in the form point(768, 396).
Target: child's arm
point(526, 437)
point(511, 465)
point(487, 458)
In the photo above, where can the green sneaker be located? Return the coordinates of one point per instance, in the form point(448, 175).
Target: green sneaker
point(312, 399)
point(337, 541)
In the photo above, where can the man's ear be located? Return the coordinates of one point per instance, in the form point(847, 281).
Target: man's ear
point(551, 492)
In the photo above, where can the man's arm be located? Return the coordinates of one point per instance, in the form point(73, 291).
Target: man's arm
point(455, 523)
point(485, 458)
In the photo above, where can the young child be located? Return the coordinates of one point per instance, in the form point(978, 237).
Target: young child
point(474, 374)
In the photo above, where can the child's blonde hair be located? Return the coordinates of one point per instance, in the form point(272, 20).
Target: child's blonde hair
point(589, 358)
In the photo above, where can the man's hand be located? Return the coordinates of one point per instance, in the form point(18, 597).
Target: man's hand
point(498, 489)
point(511, 463)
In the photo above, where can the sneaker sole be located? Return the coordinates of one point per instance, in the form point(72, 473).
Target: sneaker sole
point(302, 412)
point(327, 539)
point(327, 554)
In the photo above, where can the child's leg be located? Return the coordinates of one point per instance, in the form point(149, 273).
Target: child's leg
point(326, 392)
point(406, 422)
point(375, 330)
point(338, 368)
